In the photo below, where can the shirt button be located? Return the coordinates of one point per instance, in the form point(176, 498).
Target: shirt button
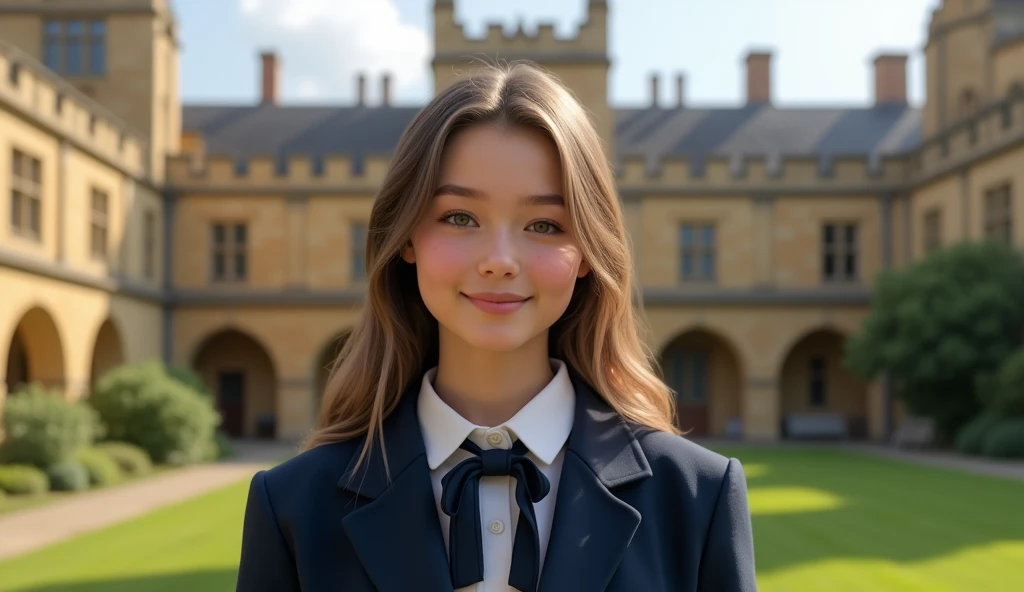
point(497, 527)
point(494, 438)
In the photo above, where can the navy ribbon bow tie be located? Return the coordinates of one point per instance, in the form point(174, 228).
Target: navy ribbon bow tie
point(460, 499)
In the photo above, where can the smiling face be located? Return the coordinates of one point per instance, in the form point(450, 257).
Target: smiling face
point(496, 260)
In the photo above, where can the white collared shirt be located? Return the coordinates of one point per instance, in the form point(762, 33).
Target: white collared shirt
point(543, 425)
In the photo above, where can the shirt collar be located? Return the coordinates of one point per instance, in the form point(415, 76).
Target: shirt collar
point(543, 424)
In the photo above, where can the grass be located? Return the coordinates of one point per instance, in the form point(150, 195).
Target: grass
point(823, 520)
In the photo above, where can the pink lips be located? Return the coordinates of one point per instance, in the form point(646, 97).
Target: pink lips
point(497, 302)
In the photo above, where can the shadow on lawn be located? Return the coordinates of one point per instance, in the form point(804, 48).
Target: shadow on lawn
point(214, 580)
point(885, 509)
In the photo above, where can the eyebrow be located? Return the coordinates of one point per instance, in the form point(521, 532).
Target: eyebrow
point(542, 199)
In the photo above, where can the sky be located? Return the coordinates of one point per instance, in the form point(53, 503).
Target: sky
point(822, 49)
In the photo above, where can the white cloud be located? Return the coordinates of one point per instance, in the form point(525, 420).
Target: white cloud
point(323, 44)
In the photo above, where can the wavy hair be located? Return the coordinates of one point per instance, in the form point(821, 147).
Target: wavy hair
point(396, 338)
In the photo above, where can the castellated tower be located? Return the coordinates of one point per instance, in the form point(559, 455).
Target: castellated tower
point(581, 62)
point(122, 53)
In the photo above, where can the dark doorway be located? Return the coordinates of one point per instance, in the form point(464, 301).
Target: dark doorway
point(231, 402)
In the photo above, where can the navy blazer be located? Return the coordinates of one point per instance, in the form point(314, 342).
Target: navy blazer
point(637, 509)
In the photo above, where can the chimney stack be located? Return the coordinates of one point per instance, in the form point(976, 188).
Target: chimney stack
point(759, 77)
point(270, 76)
point(654, 90)
point(385, 89)
point(361, 90)
point(891, 79)
point(680, 89)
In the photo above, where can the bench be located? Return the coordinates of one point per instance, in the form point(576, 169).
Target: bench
point(816, 426)
point(914, 432)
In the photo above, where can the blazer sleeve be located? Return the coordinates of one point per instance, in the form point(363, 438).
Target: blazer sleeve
point(267, 564)
point(728, 561)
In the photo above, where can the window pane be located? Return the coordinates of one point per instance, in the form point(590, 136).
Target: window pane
point(687, 265)
point(218, 234)
point(52, 28)
point(218, 266)
point(16, 164)
point(33, 215)
point(829, 265)
point(97, 57)
point(35, 174)
point(74, 47)
point(16, 209)
point(97, 29)
point(51, 54)
point(707, 265)
point(239, 234)
point(687, 236)
point(851, 266)
point(830, 231)
point(707, 237)
point(240, 265)
point(851, 235)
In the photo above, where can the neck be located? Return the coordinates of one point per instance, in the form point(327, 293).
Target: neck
point(488, 388)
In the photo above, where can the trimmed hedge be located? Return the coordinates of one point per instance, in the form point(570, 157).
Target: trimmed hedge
point(971, 438)
point(1006, 439)
point(142, 405)
point(42, 427)
point(23, 480)
point(68, 475)
point(131, 459)
point(102, 468)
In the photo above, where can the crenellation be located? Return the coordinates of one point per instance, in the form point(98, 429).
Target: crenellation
point(55, 104)
point(262, 171)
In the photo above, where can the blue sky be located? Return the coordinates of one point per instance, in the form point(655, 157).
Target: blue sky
point(822, 48)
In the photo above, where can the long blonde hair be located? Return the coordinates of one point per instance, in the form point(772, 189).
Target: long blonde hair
point(396, 338)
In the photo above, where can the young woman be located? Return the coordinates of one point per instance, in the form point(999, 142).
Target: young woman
point(493, 422)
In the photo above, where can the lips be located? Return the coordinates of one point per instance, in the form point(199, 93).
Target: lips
point(497, 303)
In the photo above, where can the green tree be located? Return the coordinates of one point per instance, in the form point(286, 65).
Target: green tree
point(938, 324)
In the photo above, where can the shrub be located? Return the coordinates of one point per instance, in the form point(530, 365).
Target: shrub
point(68, 475)
point(225, 449)
point(189, 378)
point(102, 467)
point(42, 427)
point(1006, 440)
point(142, 405)
point(23, 480)
point(1003, 390)
point(131, 459)
point(971, 438)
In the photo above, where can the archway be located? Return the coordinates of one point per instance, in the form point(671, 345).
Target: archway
point(240, 373)
point(36, 353)
point(107, 352)
point(704, 371)
point(325, 363)
point(820, 397)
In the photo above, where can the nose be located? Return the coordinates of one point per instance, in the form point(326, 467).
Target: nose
point(500, 258)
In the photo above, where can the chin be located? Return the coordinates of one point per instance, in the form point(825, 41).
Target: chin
point(496, 341)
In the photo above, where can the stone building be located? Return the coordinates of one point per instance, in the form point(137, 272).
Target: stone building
point(231, 238)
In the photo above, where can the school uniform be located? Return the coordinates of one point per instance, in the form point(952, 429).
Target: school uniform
point(626, 508)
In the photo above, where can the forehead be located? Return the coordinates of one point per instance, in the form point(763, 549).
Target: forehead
point(502, 159)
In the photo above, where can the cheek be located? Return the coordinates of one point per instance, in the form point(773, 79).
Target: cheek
point(556, 269)
point(440, 259)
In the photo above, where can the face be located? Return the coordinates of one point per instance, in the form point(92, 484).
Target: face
point(496, 260)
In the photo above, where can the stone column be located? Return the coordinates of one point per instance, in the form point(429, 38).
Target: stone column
point(762, 409)
point(294, 407)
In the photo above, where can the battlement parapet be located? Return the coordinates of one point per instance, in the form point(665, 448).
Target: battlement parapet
point(29, 88)
point(670, 173)
point(196, 172)
point(452, 42)
point(989, 130)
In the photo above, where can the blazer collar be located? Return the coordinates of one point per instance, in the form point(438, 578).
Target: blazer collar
point(591, 527)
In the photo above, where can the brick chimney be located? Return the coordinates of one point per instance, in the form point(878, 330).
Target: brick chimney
point(680, 89)
point(361, 90)
point(759, 77)
point(270, 76)
point(385, 89)
point(654, 90)
point(891, 79)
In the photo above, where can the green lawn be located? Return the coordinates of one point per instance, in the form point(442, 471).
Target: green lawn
point(823, 520)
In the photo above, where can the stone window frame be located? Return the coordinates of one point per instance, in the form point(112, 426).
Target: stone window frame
point(99, 223)
point(998, 213)
point(57, 40)
point(231, 249)
point(358, 233)
point(697, 251)
point(26, 208)
point(931, 229)
point(841, 251)
point(149, 244)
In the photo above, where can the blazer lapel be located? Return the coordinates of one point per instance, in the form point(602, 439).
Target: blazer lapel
point(592, 527)
point(397, 534)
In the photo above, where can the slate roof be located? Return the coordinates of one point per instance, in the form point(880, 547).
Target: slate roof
point(754, 130)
